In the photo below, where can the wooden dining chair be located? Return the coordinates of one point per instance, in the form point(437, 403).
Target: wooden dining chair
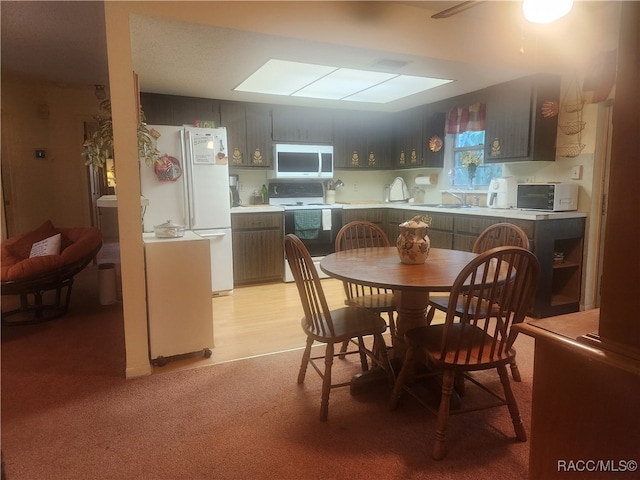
point(363, 234)
point(468, 342)
point(498, 235)
point(331, 326)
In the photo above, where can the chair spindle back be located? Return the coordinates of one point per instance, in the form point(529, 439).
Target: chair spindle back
point(481, 285)
point(310, 290)
point(501, 235)
point(360, 234)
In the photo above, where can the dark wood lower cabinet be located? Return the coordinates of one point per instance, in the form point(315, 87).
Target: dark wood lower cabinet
point(584, 415)
point(560, 280)
point(559, 290)
point(258, 255)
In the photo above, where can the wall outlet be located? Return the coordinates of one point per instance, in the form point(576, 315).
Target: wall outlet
point(355, 187)
point(530, 179)
point(576, 172)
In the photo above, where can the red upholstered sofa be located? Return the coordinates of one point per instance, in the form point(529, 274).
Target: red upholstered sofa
point(31, 278)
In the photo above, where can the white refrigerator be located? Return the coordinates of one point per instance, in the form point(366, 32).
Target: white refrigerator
point(191, 188)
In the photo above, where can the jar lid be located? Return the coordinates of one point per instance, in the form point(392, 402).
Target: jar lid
point(169, 224)
point(415, 222)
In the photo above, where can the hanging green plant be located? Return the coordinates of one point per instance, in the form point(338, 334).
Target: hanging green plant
point(99, 146)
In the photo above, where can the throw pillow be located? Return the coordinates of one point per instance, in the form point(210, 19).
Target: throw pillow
point(21, 248)
point(48, 246)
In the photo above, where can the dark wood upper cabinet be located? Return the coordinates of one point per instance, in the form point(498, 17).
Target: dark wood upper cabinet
point(349, 140)
point(407, 139)
point(302, 124)
point(259, 144)
point(433, 139)
point(248, 133)
point(361, 140)
point(176, 110)
point(516, 129)
point(232, 117)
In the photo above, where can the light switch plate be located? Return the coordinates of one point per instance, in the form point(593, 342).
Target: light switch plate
point(576, 172)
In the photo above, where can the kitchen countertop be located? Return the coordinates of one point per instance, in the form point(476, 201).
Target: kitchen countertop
point(480, 211)
point(256, 209)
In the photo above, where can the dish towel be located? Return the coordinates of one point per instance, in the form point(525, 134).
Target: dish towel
point(326, 219)
point(307, 223)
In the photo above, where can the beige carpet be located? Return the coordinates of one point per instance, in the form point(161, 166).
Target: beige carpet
point(67, 413)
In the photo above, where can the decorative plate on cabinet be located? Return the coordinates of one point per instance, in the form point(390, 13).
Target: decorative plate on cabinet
point(435, 143)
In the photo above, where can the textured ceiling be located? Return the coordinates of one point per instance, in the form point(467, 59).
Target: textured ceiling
point(64, 42)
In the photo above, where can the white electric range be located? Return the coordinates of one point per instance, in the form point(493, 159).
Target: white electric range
point(303, 202)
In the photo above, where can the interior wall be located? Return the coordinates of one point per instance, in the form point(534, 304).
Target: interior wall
point(388, 28)
point(37, 115)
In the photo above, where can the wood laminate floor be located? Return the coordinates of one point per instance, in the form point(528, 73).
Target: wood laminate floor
point(256, 320)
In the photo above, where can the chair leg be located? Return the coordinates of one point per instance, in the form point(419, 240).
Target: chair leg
point(343, 349)
point(458, 384)
point(364, 362)
point(380, 354)
point(521, 435)
point(407, 367)
point(326, 383)
point(392, 325)
point(430, 314)
point(440, 445)
point(515, 372)
point(305, 360)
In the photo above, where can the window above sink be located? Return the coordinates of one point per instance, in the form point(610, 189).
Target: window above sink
point(468, 147)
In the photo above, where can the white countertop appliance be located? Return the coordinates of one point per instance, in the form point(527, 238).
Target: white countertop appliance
point(502, 193)
point(191, 188)
point(556, 197)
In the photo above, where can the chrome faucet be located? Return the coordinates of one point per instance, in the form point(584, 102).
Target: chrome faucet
point(462, 197)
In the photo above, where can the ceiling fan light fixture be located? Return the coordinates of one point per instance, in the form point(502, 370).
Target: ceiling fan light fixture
point(545, 11)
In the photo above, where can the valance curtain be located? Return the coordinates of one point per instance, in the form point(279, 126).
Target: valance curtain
point(464, 119)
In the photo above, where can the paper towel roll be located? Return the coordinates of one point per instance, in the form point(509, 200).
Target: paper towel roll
point(426, 179)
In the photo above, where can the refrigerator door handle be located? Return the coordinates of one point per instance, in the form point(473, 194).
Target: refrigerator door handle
point(209, 235)
point(189, 200)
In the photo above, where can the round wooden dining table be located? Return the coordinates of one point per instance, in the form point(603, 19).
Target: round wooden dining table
point(411, 284)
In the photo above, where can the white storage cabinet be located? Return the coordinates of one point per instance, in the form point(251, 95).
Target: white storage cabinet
point(179, 303)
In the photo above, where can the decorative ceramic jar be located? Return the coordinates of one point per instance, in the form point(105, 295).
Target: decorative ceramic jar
point(413, 243)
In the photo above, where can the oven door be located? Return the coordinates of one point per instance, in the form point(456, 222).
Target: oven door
point(322, 244)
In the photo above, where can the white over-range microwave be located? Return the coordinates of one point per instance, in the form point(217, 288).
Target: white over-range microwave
point(556, 197)
point(296, 161)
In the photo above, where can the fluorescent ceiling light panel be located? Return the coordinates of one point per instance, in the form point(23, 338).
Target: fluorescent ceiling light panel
point(396, 88)
point(342, 83)
point(280, 77)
